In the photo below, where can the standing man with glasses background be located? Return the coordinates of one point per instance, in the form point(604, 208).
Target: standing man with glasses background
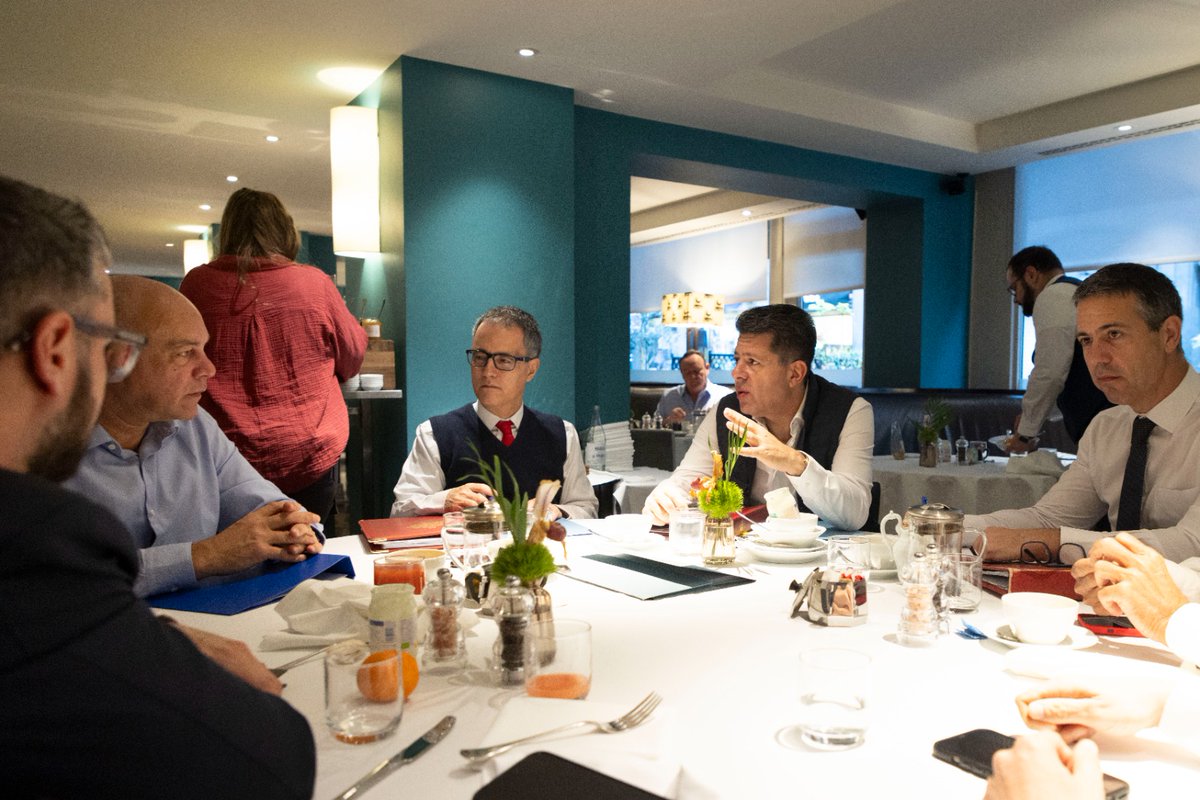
point(1042, 290)
point(439, 473)
point(1137, 461)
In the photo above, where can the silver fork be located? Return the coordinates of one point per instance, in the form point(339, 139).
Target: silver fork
point(278, 671)
point(631, 719)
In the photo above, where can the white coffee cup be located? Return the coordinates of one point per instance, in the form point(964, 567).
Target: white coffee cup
point(1039, 618)
point(371, 381)
point(795, 531)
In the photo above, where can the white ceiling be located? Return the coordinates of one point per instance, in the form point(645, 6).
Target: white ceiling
point(143, 108)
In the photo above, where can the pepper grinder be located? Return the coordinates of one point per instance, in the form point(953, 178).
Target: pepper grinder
point(445, 650)
point(512, 610)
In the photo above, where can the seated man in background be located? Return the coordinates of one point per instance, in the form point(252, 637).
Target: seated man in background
point(195, 506)
point(695, 394)
point(439, 473)
point(803, 432)
point(99, 698)
point(1133, 459)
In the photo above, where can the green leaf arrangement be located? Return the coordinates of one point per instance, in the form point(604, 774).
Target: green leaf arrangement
point(720, 496)
point(937, 417)
point(529, 561)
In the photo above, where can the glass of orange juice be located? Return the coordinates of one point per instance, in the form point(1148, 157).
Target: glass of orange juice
point(559, 663)
point(401, 568)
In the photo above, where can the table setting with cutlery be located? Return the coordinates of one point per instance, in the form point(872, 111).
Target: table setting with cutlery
point(697, 695)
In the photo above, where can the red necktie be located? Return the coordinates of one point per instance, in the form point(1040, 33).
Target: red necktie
point(506, 432)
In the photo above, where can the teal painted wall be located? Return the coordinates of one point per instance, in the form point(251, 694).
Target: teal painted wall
point(488, 198)
point(926, 259)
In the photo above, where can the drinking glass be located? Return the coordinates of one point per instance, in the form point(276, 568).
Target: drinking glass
point(685, 531)
point(559, 660)
point(363, 700)
point(401, 568)
point(835, 686)
point(963, 576)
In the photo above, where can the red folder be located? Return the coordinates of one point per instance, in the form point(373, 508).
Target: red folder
point(396, 532)
point(1028, 578)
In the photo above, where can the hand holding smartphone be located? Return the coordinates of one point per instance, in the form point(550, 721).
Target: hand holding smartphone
point(972, 752)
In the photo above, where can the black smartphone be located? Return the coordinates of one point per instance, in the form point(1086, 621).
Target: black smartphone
point(972, 751)
point(1108, 626)
point(545, 776)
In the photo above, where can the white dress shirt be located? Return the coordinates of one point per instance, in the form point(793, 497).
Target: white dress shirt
point(1091, 487)
point(1054, 329)
point(422, 485)
point(839, 494)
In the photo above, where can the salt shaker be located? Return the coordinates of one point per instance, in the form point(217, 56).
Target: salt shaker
point(919, 616)
point(512, 609)
point(445, 648)
point(647, 421)
point(960, 448)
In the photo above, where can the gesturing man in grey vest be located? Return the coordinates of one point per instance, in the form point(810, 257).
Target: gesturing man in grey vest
point(802, 432)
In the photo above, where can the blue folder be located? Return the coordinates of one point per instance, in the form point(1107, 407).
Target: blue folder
point(273, 582)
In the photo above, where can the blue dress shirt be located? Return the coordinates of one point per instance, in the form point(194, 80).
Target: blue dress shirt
point(185, 482)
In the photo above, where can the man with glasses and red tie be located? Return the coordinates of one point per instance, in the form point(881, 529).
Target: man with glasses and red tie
point(1137, 462)
point(196, 508)
point(100, 698)
point(440, 472)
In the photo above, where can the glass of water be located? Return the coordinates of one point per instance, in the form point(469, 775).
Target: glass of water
point(685, 531)
point(835, 686)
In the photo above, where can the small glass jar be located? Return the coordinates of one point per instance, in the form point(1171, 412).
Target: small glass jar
point(486, 518)
point(717, 545)
point(445, 650)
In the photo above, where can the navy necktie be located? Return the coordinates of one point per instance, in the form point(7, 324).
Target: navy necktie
point(1129, 512)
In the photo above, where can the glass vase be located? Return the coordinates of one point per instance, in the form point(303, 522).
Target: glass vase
point(929, 454)
point(717, 545)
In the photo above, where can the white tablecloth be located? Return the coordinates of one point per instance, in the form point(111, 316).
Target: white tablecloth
point(975, 488)
point(634, 486)
point(725, 663)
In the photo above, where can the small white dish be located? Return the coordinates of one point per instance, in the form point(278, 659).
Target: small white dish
point(1076, 638)
point(790, 537)
point(782, 554)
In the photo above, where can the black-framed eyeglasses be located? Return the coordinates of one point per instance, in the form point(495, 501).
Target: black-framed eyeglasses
point(1040, 553)
point(120, 351)
point(505, 362)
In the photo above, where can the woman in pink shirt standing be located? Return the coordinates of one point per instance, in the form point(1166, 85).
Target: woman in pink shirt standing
point(282, 340)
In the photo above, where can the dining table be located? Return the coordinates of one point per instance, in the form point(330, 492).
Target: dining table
point(726, 663)
point(979, 488)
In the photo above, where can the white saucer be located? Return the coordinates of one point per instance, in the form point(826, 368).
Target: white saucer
point(782, 553)
point(1076, 638)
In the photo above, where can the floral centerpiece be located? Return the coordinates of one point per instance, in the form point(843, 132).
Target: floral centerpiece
point(719, 497)
point(937, 416)
point(526, 557)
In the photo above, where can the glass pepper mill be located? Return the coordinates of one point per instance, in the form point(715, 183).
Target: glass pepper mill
point(445, 648)
point(512, 608)
point(919, 616)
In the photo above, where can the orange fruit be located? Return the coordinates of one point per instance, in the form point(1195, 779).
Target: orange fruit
point(379, 677)
point(412, 673)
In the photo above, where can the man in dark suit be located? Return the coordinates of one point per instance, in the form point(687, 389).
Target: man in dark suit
point(99, 698)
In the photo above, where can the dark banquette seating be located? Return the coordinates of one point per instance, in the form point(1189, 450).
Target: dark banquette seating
point(979, 414)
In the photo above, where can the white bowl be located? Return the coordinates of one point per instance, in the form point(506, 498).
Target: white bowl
point(1039, 618)
point(794, 532)
point(627, 527)
point(371, 381)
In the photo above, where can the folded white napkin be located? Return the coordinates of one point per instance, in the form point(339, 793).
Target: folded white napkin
point(641, 756)
point(321, 612)
point(1039, 462)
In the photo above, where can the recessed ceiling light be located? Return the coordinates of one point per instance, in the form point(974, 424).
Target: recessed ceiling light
point(747, 212)
point(170, 244)
point(191, 228)
point(349, 79)
point(527, 52)
point(231, 178)
point(272, 138)
point(1123, 128)
point(205, 207)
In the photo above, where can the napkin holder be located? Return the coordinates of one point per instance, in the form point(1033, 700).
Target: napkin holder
point(832, 596)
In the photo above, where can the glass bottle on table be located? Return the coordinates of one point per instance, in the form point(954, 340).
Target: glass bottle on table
point(597, 445)
point(897, 442)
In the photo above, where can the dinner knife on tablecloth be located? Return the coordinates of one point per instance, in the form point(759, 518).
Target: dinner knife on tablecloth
point(405, 756)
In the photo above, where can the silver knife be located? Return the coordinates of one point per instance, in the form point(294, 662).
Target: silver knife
point(405, 756)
